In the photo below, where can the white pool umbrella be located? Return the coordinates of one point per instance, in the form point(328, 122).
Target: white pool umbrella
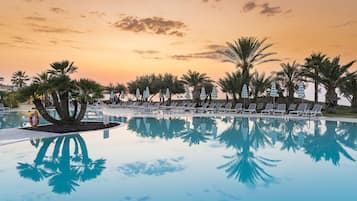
point(122, 95)
point(167, 94)
point(137, 93)
point(214, 93)
point(301, 91)
point(146, 93)
point(273, 91)
point(203, 94)
point(187, 93)
point(111, 96)
point(244, 93)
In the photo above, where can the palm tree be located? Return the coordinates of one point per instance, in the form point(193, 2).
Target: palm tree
point(349, 91)
point(43, 79)
point(259, 83)
point(19, 79)
point(63, 90)
point(196, 80)
point(247, 52)
point(289, 76)
point(232, 84)
point(311, 70)
point(62, 68)
point(333, 75)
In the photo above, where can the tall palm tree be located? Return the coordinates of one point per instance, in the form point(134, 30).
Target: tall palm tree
point(349, 91)
point(62, 68)
point(289, 76)
point(196, 80)
point(19, 79)
point(311, 70)
point(259, 83)
point(247, 52)
point(333, 75)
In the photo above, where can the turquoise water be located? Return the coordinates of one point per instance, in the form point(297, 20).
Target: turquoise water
point(178, 159)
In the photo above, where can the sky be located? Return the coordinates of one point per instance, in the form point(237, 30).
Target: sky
point(117, 40)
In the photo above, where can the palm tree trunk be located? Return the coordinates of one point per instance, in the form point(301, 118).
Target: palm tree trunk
point(316, 93)
point(291, 93)
point(57, 104)
point(331, 100)
point(354, 102)
point(81, 113)
point(43, 112)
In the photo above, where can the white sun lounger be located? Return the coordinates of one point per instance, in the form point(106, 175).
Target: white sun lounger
point(280, 109)
point(300, 110)
point(227, 107)
point(269, 108)
point(316, 110)
point(252, 108)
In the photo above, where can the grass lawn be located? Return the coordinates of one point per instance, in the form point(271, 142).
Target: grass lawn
point(342, 111)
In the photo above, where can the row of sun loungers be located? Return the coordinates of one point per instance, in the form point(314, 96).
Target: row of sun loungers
point(280, 109)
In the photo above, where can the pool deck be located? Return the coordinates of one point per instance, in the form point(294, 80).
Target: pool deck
point(14, 135)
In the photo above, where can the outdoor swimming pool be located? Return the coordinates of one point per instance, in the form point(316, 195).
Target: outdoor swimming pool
point(189, 158)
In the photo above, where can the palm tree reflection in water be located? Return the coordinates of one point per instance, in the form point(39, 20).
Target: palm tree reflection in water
point(247, 136)
point(244, 165)
point(63, 169)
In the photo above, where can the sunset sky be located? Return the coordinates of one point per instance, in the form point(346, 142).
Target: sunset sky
point(117, 40)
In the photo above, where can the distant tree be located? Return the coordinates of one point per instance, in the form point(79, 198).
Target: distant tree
point(333, 75)
point(311, 70)
point(19, 79)
point(289, 76)
point(156, 83)
point(197, 81)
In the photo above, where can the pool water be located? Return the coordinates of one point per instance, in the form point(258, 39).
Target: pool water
point(193, 158)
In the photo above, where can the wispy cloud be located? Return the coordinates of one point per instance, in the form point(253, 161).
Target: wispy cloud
point(21, 40)
point(206, 1)
point(35, 18)
point(346, 24)
point(97, 13)
point(51, 29)
point(154, 25)
point(265, 8)
point(146, 51)
point(212, 52)
point(58, 10)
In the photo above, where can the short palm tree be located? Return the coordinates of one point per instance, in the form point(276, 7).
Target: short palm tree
point(63, 91)
point(247, 52)
point(196, 80)
point(42, 79)
point(260, 83)
point(333, 75)
point(310, 70)
point(19, 79)
point(289, 76)
point(349, 90)
point(232, 84)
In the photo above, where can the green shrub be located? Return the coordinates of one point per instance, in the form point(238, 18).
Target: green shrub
point(10, 100)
